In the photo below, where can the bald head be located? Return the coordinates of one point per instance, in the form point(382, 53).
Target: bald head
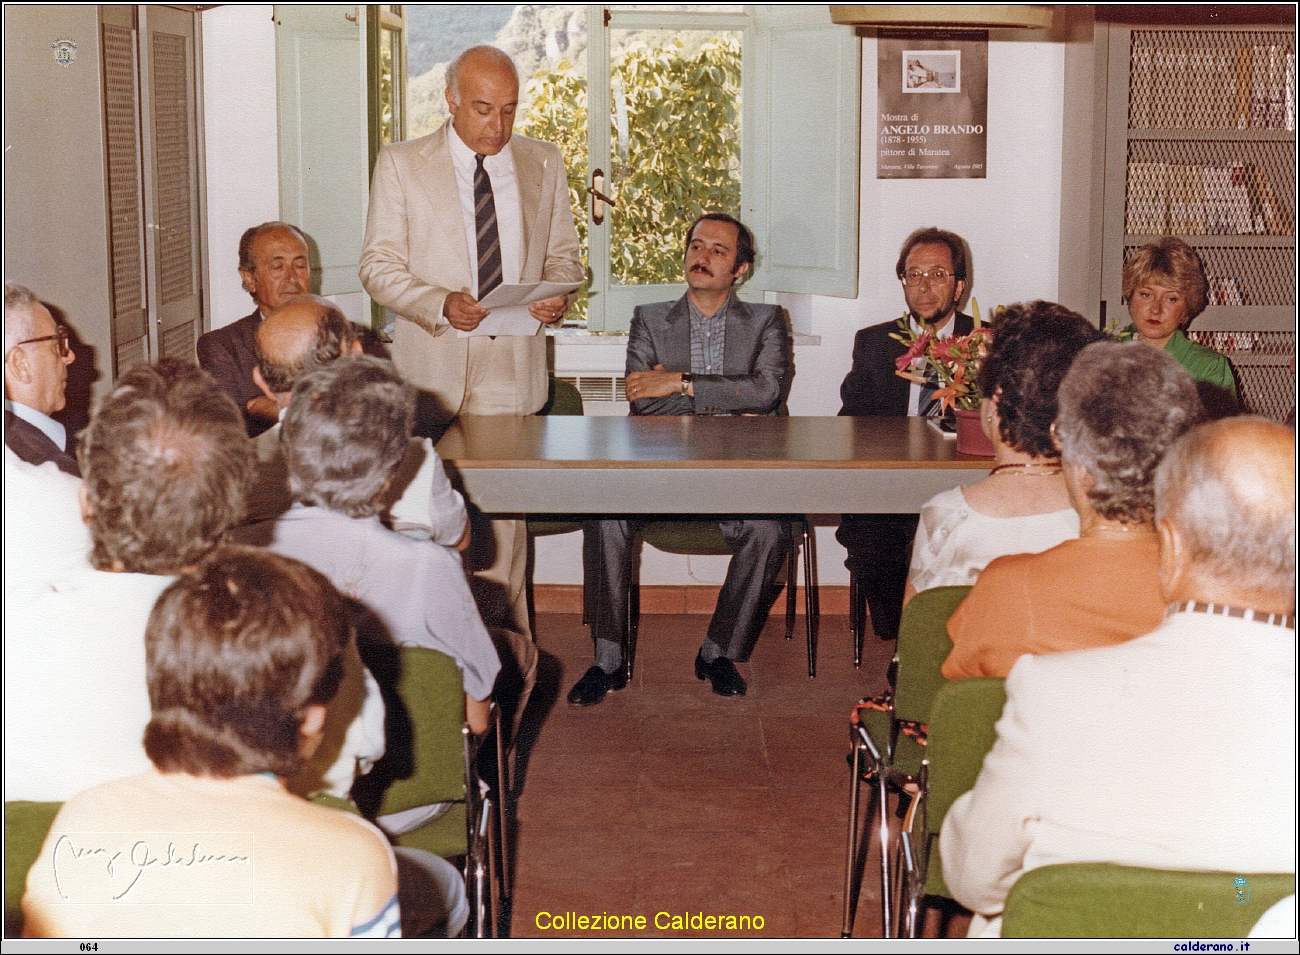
point(306, 333)
point(482, 97)
point(1226, 492)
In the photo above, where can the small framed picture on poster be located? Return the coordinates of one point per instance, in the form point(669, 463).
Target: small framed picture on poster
point(932, 71)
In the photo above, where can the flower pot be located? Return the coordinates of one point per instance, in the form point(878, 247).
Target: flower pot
point(971, 438)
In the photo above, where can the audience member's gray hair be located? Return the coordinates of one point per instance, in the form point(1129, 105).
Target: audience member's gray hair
point(20, 322)
point(347, 429)
point(166, 461)
point(1121, 407)
point(491, 52)
point(1243, 542)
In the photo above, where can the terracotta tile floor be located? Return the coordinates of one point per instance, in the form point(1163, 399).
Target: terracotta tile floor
point(666, 798)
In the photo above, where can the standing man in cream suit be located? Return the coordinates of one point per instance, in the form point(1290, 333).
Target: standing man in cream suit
point(435, 205)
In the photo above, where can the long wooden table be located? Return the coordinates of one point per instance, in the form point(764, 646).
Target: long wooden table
point(703, 465)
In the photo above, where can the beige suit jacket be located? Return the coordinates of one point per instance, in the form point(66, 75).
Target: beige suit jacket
point(415, 253)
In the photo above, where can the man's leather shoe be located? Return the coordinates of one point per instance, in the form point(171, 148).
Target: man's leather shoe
point(593, 686)
point(722, 674)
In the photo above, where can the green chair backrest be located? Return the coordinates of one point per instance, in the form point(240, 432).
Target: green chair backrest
point(563, 398)
point(685, 535)
point(923, 645)
point(1095, 900)
point(962, 730)
point(26, 826)
point(424, 761)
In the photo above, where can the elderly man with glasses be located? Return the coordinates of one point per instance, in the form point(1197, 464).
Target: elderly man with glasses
point(932, 268)
point(37, 357)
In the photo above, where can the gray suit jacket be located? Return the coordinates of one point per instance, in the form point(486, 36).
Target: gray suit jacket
point(756, 368)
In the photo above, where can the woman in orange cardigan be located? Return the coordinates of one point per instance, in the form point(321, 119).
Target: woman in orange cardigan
point(1121, 407)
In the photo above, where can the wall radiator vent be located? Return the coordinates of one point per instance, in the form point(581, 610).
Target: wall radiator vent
point(598, 386)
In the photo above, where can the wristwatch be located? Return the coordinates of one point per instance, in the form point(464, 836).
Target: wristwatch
point(687, 378)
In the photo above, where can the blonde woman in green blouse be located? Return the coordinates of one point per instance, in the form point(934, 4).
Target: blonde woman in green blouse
point(1165, 288)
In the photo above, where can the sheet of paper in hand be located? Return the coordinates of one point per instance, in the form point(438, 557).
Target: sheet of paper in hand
point(509, 307)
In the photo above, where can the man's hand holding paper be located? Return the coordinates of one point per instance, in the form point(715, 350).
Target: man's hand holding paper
point(516, 309)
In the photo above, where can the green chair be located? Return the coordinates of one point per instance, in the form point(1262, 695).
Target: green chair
point(961, 732)
point(26, 826)
point(431, 758)
point(688, 535)
point(884, 743)
point(1095, 900)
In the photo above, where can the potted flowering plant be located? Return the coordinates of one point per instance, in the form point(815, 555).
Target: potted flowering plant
point(955, 363)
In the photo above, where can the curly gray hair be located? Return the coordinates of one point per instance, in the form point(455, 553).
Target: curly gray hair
point(1121, 407)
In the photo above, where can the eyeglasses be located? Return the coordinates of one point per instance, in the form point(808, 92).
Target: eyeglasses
point(913, 278)
point(62, 336)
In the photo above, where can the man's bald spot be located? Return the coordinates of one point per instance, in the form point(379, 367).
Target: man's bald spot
point(1255, 459)
point(1225, 496)
point(303, 334)
point(479, 59)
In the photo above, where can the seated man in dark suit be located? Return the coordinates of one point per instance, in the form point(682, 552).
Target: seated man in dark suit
point(710, 354)
point(932, 268)
point(275, 266)
point(37, 357)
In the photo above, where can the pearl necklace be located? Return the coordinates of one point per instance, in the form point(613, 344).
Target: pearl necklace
point(1014, 469)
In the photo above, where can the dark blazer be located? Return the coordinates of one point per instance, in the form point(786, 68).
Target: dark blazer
point(229, 355)
point(873, 386)
point(34, 446)
point(757, 364)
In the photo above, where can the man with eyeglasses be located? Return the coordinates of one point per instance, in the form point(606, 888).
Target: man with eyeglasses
point(37, 356)
point(932, 268)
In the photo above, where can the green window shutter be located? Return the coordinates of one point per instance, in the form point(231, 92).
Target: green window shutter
point(802, 113)
point(321, 70)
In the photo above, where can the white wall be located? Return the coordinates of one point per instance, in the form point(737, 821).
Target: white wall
point(1010, 220)
point(239, 114)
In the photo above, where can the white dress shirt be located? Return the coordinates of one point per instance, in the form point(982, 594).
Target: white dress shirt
point(914, 390)
point(505, 196)
point(47, 425)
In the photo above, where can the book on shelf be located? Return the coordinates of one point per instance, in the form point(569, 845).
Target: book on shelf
point(1224, 290)
point(1202, 199)
point(1212, 87)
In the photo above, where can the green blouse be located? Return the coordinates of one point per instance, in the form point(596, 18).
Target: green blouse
point(1204, 364)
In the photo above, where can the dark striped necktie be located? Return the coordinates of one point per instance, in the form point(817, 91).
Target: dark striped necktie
point(485, 227)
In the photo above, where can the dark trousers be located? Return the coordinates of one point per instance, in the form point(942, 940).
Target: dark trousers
point(758, 549)
point(880, 550)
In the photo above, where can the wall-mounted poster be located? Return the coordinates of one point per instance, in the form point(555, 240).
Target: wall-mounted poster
point(932, 104)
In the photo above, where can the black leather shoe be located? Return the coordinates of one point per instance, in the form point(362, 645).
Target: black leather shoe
point(722, 674)
point(593, 686)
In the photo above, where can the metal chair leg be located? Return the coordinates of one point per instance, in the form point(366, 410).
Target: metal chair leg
point(882, 793)
point(812, 611)
point(503, 841)
point(857, 616)
point(633, 615)
point(792, 577)
point(851, 855)
point(481, 891)
point(493, 873)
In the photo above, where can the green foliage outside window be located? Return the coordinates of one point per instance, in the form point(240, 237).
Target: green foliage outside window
point(681, 156)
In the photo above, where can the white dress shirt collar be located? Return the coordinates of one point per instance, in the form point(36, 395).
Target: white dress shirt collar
point(505, 196)
point(47, 425)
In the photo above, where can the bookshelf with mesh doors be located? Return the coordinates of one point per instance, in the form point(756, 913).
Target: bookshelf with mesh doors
point(1201, 144)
